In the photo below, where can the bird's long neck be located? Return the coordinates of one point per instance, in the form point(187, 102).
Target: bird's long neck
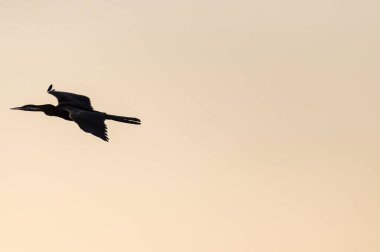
point(52, 110)
point(48, 109)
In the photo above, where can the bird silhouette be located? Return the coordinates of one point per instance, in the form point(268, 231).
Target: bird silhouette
point(78, 108)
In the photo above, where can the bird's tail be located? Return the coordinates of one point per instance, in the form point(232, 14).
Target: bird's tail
point(123, 119)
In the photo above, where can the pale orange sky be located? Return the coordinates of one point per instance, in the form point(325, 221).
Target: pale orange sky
point(260, 126)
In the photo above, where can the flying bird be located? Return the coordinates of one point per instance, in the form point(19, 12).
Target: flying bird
point(78, 108)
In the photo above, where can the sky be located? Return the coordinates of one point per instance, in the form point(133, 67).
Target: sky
point(260, 126)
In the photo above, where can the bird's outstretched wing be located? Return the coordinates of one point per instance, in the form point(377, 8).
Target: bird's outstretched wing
point(65, 98)
point(90, 122)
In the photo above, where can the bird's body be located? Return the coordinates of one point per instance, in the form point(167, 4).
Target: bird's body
point(78, 108)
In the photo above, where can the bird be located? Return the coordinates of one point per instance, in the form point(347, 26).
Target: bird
point(78, 108)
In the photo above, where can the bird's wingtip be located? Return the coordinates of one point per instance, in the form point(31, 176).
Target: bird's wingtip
point(50, 88)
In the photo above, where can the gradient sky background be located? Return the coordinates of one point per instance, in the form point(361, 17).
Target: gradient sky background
point(260, 126)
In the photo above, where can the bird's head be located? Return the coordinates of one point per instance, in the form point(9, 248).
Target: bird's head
point(29, 107)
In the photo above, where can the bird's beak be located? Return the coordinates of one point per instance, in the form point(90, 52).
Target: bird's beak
point(17, 108)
